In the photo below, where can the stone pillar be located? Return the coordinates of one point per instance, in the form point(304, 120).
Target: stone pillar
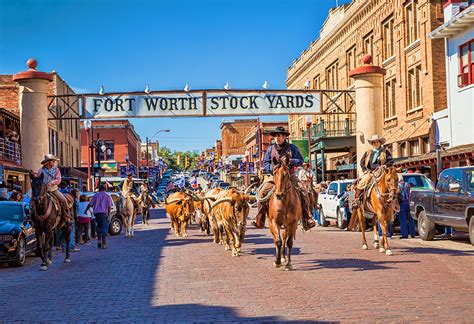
point(33, 115)
point(369, 104)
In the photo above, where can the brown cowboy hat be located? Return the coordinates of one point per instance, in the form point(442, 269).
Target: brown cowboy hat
point(49, 157)
point(376, 138)
point(279, 130)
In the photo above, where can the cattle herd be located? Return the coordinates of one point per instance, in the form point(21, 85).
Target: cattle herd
point(224, 212)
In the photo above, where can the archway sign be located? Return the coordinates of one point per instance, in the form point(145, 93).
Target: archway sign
point(200, 103)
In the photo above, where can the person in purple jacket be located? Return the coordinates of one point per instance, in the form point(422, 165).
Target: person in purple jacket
point(101, 203)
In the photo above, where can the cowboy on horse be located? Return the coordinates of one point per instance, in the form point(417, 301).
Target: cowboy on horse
point(371, 160)
point(276, 152)
point(52, 178)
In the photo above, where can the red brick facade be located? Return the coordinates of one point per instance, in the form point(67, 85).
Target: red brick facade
point(125, 141)
point(233, 134)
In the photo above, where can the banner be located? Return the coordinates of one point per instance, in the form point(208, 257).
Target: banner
point(189, 104)
point(302, 145)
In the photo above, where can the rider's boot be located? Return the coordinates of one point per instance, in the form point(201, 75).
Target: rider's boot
point(259, 221)
point(307, 221)
point(357, 196)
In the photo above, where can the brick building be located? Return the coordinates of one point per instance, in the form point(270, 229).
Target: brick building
point(393, 32)
point(63, 133)
point(120, 140)
point(233, 134)
point(251, 144)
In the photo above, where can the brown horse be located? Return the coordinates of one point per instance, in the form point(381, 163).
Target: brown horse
point(46, 217)
point(284, 211)
point(145, 203)
point(381, 202)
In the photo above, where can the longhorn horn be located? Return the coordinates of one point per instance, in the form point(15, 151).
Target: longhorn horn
point(220, 201)
point(249, 187)
point(172, 201)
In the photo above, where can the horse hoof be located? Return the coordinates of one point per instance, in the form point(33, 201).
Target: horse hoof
point(388, 252)
point(288, 267)
point(376, 245)
point(44, 268)
point(227, 248)
point(277, 265)
point(67, 260)
point(381, 250)
point(365, 247)
point(48, 262)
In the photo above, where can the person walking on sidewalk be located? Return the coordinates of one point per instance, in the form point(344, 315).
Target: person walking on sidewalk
point(407, 224)
point(101, 203)
point(83, 221)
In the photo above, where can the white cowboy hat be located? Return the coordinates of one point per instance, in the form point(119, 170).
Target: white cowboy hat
point(49, 157)
point(376, 138)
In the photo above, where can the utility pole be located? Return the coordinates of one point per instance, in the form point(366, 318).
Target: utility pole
point(146, 157)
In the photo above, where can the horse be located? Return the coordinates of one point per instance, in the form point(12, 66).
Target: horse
point(284, 211)
point(145, 203)
point(46, 217)
point(312, 194)
point(129, 215)
point(381, 201)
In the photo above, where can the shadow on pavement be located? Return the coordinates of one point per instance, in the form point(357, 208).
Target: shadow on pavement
point(350, 263)
point(435, 250)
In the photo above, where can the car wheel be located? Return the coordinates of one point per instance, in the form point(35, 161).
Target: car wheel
point(340, 218)
point(471, 230)
point(426, 228)
point(115, 227)
point(20, 254)
point(324, 222)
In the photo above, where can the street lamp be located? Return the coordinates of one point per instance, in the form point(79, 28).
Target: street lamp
point(88, 127)
point(309, 120)
point(247, 153)
point(148, 140)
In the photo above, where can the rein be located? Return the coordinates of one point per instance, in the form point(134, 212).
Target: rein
point(49, 207)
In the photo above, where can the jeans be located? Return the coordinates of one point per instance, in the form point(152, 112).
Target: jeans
point(83, 229)
point(348, 214)
point(72, 243)
point(316, 216)
point(407, 224)
point(102, 224)
point(389, 229)
point(93, 228)
point(448, 230)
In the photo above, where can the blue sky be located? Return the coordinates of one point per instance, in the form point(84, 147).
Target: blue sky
point(125, 45)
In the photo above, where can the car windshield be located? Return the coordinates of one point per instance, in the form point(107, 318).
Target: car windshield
point(470, 180)
point(344, 186)
point(418, 182)
point(11, 212)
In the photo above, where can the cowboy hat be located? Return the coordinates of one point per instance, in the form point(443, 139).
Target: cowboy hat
point(376, 138)
point(279, 130)
point(49, 157)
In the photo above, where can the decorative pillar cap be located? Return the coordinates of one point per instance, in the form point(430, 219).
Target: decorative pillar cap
point(31, 73)
point(367, 68)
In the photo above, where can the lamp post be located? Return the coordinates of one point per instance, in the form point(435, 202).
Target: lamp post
point(100, 148)
point(309, 120)
point(247, 153)
point(88, 126)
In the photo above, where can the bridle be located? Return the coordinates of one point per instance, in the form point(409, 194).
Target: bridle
point(392, 189)
point(281, 195)
point(39, 199)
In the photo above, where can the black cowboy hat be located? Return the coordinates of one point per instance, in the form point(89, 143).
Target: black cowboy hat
point(129, 174)
point(279, 130)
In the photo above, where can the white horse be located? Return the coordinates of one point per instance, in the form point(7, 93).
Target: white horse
point(129, 214)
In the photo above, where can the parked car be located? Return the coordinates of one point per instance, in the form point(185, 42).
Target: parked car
point(216, 183)
point(17, 235)
point(450, 203)
point(115, 226)
point(223, 185)
point(328, 201)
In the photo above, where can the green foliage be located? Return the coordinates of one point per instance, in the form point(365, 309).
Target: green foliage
point(171, 158)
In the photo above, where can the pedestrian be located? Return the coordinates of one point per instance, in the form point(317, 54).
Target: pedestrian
point(101, 203)
point(407, 224)
point(16, 196)
point(83, 221)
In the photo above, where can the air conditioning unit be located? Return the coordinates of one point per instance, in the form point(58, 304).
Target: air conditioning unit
point(463, 79)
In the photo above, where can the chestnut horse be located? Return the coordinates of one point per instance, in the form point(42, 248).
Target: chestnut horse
point(284, 211)
point(46, 218)
point(382, 201)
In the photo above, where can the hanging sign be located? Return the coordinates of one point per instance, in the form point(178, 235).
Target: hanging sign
point(202, 103)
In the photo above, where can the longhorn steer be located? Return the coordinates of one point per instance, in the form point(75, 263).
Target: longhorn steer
point(178, 209)
point(212, 195)
point(231, 210)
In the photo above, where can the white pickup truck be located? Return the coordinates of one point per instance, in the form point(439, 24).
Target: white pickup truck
point(329, 203)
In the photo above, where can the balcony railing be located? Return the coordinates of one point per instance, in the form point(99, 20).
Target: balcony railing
point(344, 127)
point(10, 150)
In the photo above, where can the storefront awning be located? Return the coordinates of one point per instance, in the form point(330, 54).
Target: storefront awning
point(457, 153)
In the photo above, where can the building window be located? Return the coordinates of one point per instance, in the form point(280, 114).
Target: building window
point(426, 144)
point(402, 149)
point(388, 41)
point(350, 63)
point(317, 82)
point(389, 109)
point(108, 154)
point(368, 44)
point(77, 158)
point(60, 119)
point(61, 155)
point(466, 64)
point(411, 22)
point(332, 76)
point(415, 147)
point(415, 93)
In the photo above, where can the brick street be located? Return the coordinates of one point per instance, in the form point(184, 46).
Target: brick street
point(158, 277)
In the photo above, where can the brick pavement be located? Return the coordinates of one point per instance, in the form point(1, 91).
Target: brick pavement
point(158, 277)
